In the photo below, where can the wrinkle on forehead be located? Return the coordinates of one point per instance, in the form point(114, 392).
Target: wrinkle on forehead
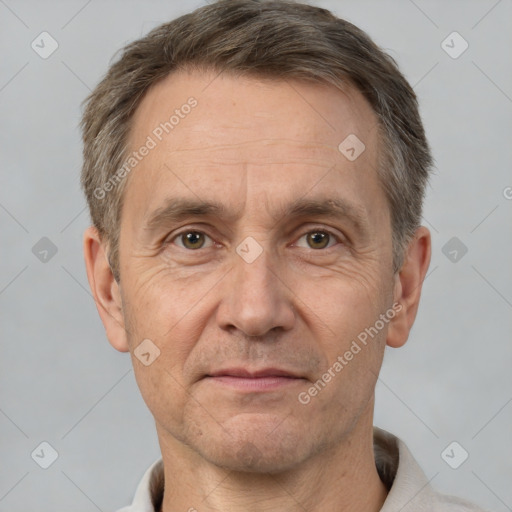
point(256, 152)
point(238, 159)
point(236, 108)
point(252, 141)
point(309, 145)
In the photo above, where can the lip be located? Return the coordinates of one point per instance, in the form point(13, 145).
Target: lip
point(241, 379)
point(247, 374)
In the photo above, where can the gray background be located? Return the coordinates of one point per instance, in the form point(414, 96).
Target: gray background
point(61, 381)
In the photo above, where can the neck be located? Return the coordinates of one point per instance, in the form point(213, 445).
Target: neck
point(342, 478)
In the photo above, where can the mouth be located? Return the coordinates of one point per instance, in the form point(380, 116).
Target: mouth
point(266, 379)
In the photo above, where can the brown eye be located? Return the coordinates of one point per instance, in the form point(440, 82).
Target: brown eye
point(192, 239)
point(318, 239)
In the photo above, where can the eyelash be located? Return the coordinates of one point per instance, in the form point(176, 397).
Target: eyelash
point(313, 230)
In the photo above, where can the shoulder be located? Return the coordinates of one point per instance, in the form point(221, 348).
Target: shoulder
point(149, 492)
point(409, 488)
point(446, 503)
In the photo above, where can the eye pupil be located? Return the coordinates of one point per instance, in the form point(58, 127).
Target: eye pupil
point(319, 238)
point(193, 240)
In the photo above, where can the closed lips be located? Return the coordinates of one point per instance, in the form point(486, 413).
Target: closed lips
point(243, 373)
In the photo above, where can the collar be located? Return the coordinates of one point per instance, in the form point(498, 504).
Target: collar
point(407, 484)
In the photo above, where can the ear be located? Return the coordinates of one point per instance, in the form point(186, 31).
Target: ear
point(408, 283)
point(105, 289)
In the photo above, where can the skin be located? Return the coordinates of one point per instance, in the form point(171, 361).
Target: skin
point(255, 146)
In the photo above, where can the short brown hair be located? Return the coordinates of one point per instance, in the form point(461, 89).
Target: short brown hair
point(277, 39)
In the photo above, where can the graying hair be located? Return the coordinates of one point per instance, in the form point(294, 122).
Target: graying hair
point(276, 39)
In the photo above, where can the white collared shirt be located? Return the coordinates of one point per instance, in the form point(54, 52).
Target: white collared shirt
point(409, 488)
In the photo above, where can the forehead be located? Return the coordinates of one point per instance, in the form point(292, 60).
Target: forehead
point(212, 132)
point(245, 105)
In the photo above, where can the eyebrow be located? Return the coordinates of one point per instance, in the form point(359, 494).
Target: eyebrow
point(178, 209)
point(329, 207)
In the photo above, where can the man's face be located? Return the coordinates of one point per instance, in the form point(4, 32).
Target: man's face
point(255, 284)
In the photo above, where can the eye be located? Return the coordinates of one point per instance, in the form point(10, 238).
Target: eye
point(318, 239)
point(192, 240)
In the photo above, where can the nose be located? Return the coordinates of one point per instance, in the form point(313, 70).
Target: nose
point(256, 299)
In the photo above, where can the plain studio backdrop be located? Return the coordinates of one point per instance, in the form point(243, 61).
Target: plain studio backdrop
point(61, 381)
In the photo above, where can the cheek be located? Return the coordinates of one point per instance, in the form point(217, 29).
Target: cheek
point(352, 348)
point(343, 312)
point(161, 389)
point(342, 302)
point(171, 313)
point(160, 301)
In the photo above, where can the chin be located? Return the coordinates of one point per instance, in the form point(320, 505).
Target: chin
point(256, 445)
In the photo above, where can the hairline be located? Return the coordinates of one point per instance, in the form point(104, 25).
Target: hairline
point(383, 156)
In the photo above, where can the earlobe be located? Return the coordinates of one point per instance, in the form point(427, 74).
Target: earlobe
point(105, 289)
point(408, 285)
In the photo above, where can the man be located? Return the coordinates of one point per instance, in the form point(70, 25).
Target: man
point(255, 173)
